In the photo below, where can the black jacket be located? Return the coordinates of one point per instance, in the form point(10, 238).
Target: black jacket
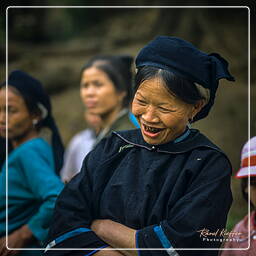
point(167, 192)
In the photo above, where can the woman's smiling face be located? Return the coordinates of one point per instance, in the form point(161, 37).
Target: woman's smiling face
point(161, 115)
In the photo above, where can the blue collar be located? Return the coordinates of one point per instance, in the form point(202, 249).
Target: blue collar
point(183, 136)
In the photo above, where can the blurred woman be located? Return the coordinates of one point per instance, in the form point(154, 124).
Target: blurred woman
point(244, 233)
point(33, 164)
point(105, 89)
point(79, 146)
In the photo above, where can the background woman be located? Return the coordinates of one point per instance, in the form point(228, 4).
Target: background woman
point(106, 92)
point(240, 238)
point(79, 146)
point(157, 186)
point(33, 164)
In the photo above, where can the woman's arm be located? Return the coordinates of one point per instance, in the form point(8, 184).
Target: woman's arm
point(108, 253)
point(17, 239)
point(73, 217)
point(207, 197)
point(116, 235)
point(45, 186)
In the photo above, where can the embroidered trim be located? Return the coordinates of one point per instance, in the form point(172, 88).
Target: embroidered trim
point(164, 241)
point(162, 237)
point(136, 242)
point(65, 236)
point(125, 146)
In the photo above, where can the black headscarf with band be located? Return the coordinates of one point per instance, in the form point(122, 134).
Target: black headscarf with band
point(31, 88)
point(185, 60)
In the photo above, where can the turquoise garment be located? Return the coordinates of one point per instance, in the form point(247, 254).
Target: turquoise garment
point(134, 120)
point(33, 188)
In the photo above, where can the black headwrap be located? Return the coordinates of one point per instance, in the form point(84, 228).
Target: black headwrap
point(185, 60)
point(31, 88)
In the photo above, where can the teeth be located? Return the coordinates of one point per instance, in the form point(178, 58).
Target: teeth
point(151, 129)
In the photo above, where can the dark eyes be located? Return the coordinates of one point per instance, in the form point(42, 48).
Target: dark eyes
point(94, 83)
point(165, 110)
point(142, 102)
point(97, 83)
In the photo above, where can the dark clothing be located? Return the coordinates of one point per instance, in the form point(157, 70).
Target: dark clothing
point(179, 188)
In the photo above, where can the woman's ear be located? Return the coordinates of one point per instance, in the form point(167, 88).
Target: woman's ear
point(36, 117)
point(197, 107)
point(122, 95)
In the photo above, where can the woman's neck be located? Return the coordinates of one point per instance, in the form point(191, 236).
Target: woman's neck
point(109, 118)
point(20, 140)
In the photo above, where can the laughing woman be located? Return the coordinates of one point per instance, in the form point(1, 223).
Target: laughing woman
point(33, 165)
point(157, 186)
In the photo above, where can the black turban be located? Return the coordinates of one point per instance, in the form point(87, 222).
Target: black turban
point(185, 60)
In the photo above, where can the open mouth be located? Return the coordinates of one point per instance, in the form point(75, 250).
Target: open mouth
point(151, 131)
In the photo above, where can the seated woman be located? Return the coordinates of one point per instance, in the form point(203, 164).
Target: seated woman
point(105, 90)
point(33, 165)
point(155, 187)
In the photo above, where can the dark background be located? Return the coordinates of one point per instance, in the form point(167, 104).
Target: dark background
point(53, 43)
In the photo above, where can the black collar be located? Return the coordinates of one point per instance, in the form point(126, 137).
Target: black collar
point(194, 140)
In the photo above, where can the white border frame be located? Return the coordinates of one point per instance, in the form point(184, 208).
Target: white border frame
point(132, 7)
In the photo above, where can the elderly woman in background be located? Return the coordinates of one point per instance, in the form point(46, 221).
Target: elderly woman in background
point(158, 186)
point(105, 89)
point(33, 164)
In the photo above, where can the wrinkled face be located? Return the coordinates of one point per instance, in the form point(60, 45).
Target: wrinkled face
point(162, 116)
point(19, 118)
point(98, 92)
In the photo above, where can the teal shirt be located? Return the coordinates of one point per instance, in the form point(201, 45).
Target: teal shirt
point(33, 188)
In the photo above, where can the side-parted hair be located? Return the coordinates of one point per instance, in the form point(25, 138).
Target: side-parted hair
point(178, 86)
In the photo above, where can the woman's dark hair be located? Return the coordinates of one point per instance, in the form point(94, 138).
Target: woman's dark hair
point(244, 186)
point(118, 69)
point(180, 87)
point(31, 104)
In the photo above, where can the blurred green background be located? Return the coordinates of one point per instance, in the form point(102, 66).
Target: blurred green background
point(53, 43)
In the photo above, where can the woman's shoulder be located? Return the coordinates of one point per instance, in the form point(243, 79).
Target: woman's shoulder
point(123, 123)
point(203, 145)
point(107, 148)
point(33, 147)
point(84, 136)
point(115, 140)
point(111, 144)
point(36, 143)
